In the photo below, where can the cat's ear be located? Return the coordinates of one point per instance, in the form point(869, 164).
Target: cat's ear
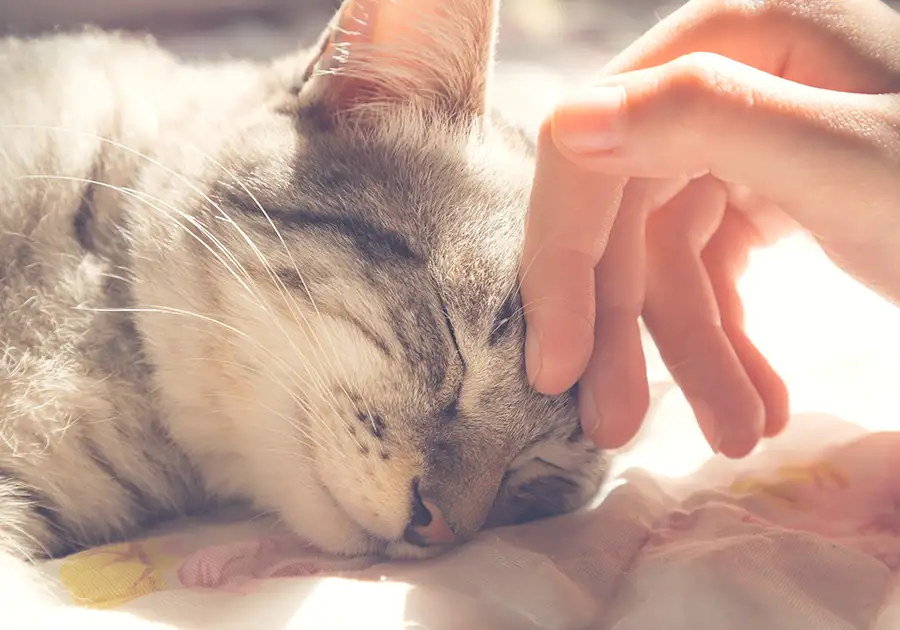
point(437, 53)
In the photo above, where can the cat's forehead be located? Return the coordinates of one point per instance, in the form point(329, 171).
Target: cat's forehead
point(412, 167)
point(458, 201)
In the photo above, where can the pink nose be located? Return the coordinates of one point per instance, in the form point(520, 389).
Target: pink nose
point(427, 525)
point(437, 532)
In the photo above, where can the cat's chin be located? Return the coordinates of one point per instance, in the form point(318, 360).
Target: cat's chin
point(405, 551)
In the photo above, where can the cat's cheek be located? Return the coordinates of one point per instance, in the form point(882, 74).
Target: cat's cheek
point(315, 518)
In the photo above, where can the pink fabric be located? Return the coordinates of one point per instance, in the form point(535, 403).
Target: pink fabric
point(236, 566)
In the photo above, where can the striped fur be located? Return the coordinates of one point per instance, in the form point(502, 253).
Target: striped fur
point(290, 284)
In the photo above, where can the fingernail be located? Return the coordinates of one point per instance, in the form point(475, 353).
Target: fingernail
point(591, 121)
point(590, 415)
point(533, 359)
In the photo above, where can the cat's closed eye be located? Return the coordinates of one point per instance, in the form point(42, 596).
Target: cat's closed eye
point(288, 284)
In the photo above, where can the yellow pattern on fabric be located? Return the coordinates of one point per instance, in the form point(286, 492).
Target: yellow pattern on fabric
point(106, 577)
point(791, 483)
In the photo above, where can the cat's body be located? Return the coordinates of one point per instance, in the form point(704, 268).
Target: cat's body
point(234, 282)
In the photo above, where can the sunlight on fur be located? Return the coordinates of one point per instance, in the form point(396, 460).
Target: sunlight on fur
point(290, 285)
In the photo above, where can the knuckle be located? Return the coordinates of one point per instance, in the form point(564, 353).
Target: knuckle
point(703, 90)
point(698, 76)
point(757, 9)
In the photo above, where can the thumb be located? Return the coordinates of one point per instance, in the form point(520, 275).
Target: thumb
point(806, 149)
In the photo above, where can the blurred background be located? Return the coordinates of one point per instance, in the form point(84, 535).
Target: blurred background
point(547, 47)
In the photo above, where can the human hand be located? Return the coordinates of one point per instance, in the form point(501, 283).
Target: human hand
point(727, 116)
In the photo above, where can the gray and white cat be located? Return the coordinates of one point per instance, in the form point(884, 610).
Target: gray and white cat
point(291, 284)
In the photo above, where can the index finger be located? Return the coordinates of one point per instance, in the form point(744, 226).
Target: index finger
point(569, 221)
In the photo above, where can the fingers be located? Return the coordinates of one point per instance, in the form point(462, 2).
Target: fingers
point(614, 390)
point(708, 114)
point(725, 258)
point(570, 217)
point(682, 314)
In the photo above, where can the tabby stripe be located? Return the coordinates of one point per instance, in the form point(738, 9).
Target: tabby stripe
point(371, 240)
point(45, 509)
point(137, 497)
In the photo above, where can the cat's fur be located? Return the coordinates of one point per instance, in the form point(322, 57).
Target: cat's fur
point(291, 284)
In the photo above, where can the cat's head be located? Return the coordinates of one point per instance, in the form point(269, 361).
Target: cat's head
point(386, 205)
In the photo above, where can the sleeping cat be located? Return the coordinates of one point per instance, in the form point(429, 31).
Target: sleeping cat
point(291, 284)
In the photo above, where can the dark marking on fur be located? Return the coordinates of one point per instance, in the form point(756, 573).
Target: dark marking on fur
point(577, 434)
point(45, 509)
point(451, 411)
point(503, 321)
point(373, 422)
point(84, 219)
point(291, 279)
point(550, 464)
point(377, 244)
point(452, 332)
point(184, 476)
point(137, 498)
point(541, 498)
point(419, 334)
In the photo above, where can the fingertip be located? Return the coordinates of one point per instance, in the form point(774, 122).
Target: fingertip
point(737, 426)
point(556, 355)
point(778, 407)
point(624, 415)
point(592, 121)
point(615, 394)
point(772, 390)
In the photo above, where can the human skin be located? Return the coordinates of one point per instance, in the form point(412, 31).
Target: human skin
point(724, 126)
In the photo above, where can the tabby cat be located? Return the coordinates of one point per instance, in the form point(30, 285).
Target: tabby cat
point(291, 284)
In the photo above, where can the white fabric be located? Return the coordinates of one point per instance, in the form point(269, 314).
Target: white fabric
point(804, 534)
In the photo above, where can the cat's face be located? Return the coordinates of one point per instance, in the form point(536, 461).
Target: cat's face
point(390, 231)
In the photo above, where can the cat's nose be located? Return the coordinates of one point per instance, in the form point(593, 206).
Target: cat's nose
point(427, 525)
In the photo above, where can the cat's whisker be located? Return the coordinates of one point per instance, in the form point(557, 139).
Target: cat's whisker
point(279, 282)
point(177, 311)
point(292, 422)
point(316, 383)
point(291, 392)
point(274, 276)
point(532, 303)
point(523, 309)
point(295, 399)
point(520, 279)
point(146, 199)
point(181, 178)
point(172, 311)
point(10, 542)
point(143, 197)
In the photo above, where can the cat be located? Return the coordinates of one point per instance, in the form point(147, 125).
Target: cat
point(292, 284)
